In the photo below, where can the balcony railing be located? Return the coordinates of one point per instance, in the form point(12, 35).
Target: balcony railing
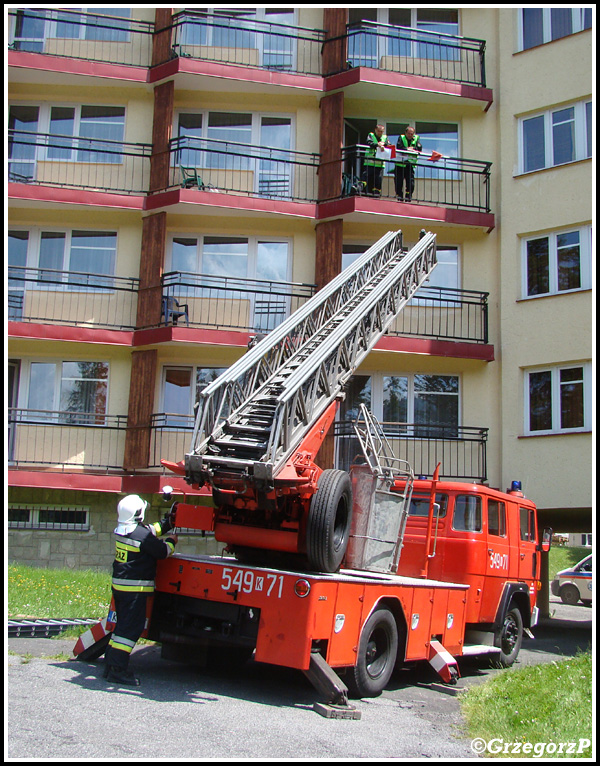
point(171, 437)
point(230, 303)
point(445, 313)
point(461, 450)
point(413, 51)
point(71, 298)
point(447, 181)
point(247, 42)
point(62, 441)
point(236, 168)
point(50, 159)
point(79, 35)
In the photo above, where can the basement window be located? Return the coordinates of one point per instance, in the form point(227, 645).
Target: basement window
point(59, 517)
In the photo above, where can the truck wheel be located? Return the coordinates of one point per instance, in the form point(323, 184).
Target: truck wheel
point(376, 657)
point(328, 522)
point(511, 636)
point(569, 594)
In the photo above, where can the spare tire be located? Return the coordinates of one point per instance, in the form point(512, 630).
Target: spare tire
point(329, 520)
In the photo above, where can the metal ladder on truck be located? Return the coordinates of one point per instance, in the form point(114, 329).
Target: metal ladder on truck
point(260, 424)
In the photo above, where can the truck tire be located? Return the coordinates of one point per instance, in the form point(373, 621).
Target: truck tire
point(376, 657)
point(328, 522)
point(569, 594)
point(511, 636)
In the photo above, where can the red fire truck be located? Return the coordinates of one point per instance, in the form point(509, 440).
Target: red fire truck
point(344, 575)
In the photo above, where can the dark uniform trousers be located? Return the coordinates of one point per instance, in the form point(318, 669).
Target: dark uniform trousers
point(134, 570)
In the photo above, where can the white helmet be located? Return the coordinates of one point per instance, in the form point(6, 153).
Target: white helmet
point(130, 512)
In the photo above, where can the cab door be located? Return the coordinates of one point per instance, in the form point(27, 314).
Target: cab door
point(498, 558)
point(528, 555)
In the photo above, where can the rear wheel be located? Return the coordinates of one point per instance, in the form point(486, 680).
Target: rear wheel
point(376, 658)
point(569, 594)
point(328, 522)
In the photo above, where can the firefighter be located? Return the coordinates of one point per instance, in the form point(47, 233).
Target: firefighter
point(409, 146)
point(138, 547)
point(373, 174)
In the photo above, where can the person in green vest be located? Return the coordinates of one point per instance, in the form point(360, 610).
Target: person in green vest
point(408, 149)
point(373, 172)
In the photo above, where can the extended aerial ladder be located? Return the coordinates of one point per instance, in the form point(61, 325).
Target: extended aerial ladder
point(260, 424)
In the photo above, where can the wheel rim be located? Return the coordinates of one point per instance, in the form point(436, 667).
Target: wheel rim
point(376, 655)
point(510, 634)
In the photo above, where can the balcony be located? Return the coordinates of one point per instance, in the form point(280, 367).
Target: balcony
point(230, 167)
point(229, 303)
point(461, 450)
point(71, 298)
point(65, 162)
point(85, 36)
point(449, 182)
point(246, 42)
point(411, 51)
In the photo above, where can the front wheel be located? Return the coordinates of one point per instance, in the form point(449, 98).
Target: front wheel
point(328, 522)
point(377, 651)
point(569, 594)
point(511, 636)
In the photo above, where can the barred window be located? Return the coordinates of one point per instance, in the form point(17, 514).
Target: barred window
point(59, 517)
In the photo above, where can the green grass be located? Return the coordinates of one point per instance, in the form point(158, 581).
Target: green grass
point(562, 557)
point(39, 593)
point(540, 704)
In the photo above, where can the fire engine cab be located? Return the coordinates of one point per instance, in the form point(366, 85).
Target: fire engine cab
point(344, 575)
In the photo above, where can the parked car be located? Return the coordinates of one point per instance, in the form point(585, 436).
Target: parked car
point(574, 583)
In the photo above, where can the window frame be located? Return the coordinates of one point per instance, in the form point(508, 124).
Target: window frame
point(577, 20)
point(585, 261)
point(556, 427)
point(580, 137)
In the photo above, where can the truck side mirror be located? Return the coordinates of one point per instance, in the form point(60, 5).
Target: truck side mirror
point(546, 540)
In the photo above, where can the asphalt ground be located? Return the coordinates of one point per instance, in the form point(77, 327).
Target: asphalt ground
point(59, 708)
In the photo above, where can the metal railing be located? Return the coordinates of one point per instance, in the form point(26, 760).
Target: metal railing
point(81, 35)
point(445, 313)
point(461, 450)
point(247, 42)
point(414, 51)
point(66, 440)
point(232, 303)
point(257, 171)
point(71, 298)
point(55, 160)
point(171, 436)
point(448, 181)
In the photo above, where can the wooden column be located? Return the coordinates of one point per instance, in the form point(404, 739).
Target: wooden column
point(328, 258)
point(152, 261)
point(141, 405)
point(161, 40)
point(331, 138)
point(161, 135)
point(335, 48)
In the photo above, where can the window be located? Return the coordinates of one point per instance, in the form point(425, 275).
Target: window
point(114, 29)
point(431, 402)
point(527, 524)
point(556, 137)
point(558, 399)
point(496, 518)
point(68, 392)
point(543, 25)
point(441, 137)
point(64, 258)
point(60, 517)
point(467, 513)
point(178, 394)
point(557, 262)
point(419, 506)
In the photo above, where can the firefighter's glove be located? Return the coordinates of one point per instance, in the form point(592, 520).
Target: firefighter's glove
point(167, 523)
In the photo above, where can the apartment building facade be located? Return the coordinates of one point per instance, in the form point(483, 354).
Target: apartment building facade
point(181, 180)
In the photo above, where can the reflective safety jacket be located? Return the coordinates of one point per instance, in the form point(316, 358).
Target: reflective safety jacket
point(371, 150)
point(136, 554)
point(403, 144)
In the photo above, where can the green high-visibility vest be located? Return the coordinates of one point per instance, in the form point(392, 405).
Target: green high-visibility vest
point(372, 151)
point(411, 157)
